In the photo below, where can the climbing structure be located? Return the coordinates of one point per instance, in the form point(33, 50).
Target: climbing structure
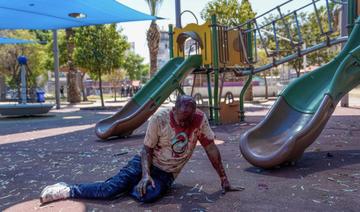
point(234, 49)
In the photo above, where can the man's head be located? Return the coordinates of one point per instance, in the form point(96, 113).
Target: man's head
point(184, 110)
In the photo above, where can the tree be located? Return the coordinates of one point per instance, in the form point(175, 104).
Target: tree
point(73, 91)
point(144, 73)
point(153, 35)
point(227, 12)
point(230, 13)
point(100, 50)
point(133, 64)
point(43, 36)
point(115, 78)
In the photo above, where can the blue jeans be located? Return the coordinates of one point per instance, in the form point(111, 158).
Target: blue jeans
point(125, 181)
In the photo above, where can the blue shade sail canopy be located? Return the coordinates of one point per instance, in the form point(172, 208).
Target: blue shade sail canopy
point(60, 14)
point(15, 41)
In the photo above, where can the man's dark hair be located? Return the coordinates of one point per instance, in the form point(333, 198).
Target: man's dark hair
point(185, 99)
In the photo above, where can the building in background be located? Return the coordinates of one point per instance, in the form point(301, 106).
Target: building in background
point(163, 54)
point(132, 47)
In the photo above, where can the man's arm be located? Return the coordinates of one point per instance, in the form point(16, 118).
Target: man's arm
point(150, 141)
point(206, 138)
point(146, 161)
point(215, 158)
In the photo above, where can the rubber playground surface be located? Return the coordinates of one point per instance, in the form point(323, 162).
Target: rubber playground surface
point(62, 146)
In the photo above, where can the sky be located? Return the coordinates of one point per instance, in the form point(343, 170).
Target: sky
point(136, 31)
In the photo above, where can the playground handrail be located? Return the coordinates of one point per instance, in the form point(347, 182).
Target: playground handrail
point(294, 56)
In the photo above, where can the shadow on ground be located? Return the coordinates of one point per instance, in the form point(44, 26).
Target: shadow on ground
point(311, 163)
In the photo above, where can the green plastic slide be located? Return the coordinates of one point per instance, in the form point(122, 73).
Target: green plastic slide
point(302, 110)
point(148, 99)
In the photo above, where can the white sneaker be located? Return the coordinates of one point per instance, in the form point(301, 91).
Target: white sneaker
point(54, 192)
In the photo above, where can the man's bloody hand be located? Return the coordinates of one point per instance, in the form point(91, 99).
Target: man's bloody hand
point(226, 187)
point(144, 182)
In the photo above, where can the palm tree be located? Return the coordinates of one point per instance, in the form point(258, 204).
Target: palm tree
point(72, 82)
point(153, 35)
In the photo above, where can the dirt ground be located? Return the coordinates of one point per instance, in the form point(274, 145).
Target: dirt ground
point(62, 146)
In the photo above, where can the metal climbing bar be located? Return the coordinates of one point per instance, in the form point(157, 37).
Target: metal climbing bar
point(303, 52)
point(261, 38)
point(287, 28)
point(329, 16)
point(295, 40)
point(298, 28)
point(259, 16)
point(277, 48)
point(243, 47)
point(291, 57)
point(318, 17)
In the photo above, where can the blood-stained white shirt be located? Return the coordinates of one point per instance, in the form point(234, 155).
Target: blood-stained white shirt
point(173, 145)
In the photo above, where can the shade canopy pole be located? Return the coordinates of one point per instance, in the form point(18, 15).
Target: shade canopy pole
point(178, 13)
point(56, 68)
point(23, 84)
point(345, 27)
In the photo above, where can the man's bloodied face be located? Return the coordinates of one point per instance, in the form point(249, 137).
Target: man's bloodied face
point(184, 111)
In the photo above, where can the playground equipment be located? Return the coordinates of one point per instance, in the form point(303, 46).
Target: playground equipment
point(24, 108)
point(304, 107)
point(218, 49)
point(148, 99)
point(227, 49)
